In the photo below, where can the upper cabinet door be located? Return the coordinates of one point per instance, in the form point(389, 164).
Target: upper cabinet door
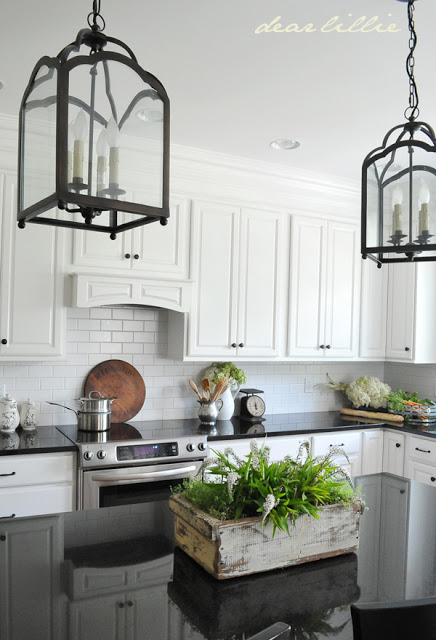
point(213, 319)
point(261, 272)
point(343, 291)
point(307, 287)
point(373, 311)
point(401, 311)
point(32, 315)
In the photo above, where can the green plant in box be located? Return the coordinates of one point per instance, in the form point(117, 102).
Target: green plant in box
point(229, 488)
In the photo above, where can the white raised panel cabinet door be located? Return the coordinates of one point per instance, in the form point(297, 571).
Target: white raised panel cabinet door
point(260, 285)
point(373, 311)
point(393, 453)
point(372, 452)
point(96, 618)
point(163, 250)
point(93, 249)
point(342, 291)
point(215, 242)
point(307, 287)
point(32, 316)
point(401, 312)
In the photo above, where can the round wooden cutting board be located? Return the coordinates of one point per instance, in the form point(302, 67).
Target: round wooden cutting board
point(118, 379)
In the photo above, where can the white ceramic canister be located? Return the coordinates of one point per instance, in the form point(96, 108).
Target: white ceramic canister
point(9, 416)
point(28, 416)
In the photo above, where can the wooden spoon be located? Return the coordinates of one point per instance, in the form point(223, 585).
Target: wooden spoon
point(206, 388)
point(219, 389)
point(194, 387)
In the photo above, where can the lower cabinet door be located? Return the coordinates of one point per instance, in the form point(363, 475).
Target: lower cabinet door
point(393, 453)
point(98, 618)
point(147, 614)
point(372, 452)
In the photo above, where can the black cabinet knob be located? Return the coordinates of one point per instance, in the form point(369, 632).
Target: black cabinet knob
point(121, 605)
point(397, 444)
point(407, 349)
point(432, 478)
point(4, 341)
point(136, 256)
point(234, 345)
point(127, 256)
point(241, 344)
point(129, 603)
point(2, 538)
point(322, 346)
point(328, 346)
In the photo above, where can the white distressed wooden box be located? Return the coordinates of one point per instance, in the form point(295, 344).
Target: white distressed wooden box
point(232, 548)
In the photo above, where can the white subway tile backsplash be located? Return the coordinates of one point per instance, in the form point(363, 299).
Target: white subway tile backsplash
point(88, 325)
point(122, 314)
point(111, 325)
point(114, 348)
point(102, 314)
point(133, 325)
point(88, 347)
point(122, 336)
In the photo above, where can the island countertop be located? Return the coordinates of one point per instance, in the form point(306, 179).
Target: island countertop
point(100, 571)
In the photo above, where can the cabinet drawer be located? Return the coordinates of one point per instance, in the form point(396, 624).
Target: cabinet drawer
point(38, 468)
point(37, 500)
point(421, 449)
point(350, 442)
point(421, 472)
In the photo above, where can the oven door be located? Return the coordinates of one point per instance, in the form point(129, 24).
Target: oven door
point(132, 485)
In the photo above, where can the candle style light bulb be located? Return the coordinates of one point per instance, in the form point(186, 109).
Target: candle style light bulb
point(113, 138)
point(102, 153)
point(79, 131)
point(397, 215)
point(70, 152)
point(423, 200)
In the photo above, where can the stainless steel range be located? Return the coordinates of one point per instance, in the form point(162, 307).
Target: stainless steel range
point(125, 466)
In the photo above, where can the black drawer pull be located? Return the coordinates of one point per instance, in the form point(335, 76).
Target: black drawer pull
point(337, 445)
point(3, 475)
point(432, 478)
point(6, 517)
point(397, 444)
point(422, 450)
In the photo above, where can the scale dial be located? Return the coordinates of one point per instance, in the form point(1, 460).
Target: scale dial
point(255, 406)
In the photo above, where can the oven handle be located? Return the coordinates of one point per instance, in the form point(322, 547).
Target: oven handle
point(141, 476)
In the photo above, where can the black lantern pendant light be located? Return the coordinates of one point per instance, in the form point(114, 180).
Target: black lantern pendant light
point(93, 139)
point(399, 185)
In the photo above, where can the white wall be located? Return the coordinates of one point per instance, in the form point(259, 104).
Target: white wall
point(140, 336)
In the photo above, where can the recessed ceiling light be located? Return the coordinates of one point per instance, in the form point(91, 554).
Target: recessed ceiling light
point(150, 115)
point(284, 144)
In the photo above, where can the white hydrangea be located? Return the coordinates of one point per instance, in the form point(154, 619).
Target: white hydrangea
point(368, 391)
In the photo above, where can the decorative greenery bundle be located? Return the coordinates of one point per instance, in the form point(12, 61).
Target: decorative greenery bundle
point(225, 371)
point(229, 488)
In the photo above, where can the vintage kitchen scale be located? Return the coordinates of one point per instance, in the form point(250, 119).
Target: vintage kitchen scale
point(252, 405)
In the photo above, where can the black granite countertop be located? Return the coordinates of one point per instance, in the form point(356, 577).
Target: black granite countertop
point(118, 564)
point(45, 439)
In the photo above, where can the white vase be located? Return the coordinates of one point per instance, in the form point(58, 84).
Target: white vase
point(228, 408)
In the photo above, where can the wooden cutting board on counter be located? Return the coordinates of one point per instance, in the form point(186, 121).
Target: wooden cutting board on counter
point(118, 379)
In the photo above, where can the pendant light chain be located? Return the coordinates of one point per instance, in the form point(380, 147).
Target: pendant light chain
point(95, 14)
point(412, 111)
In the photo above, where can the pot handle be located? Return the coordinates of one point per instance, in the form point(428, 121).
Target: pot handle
point(63, 406)
point(91, 392)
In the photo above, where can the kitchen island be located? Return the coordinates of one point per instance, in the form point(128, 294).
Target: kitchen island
point(113, 573)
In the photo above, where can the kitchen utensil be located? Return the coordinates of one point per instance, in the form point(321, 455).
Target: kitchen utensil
point(205, 385)
point(221, 386)
point(116, 378)
point(208, 412)
point(96, 413)
point(28, 415)
point(9, 416)
point(195, 388)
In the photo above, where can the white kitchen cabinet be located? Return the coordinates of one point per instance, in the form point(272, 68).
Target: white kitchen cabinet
point(372, 451)
point(420, 459)
point(30, 567)
point(393, 452)
point(324, 289)
point(238, 266)
point(32, 312)
point(373, 311)
point(155, 250)
point(349, 441)
point(411, 313)
point(37, 484)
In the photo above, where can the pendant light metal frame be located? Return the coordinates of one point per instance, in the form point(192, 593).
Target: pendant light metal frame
point(400, 137)
point(88, 205)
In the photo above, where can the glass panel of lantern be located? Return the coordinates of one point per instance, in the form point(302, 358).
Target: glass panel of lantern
point(115, 141)
point(39, 138)
point(401, 201)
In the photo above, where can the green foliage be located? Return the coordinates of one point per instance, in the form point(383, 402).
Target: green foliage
point(230, 488)
point(225, 371)
point(396, 400)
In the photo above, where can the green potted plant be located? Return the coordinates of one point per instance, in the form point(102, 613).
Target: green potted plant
point(234, 377)
point(243, 516)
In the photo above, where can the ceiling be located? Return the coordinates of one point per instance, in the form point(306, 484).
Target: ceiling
point(233, 91)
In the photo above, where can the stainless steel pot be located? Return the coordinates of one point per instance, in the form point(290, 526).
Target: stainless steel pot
point(95, 412)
